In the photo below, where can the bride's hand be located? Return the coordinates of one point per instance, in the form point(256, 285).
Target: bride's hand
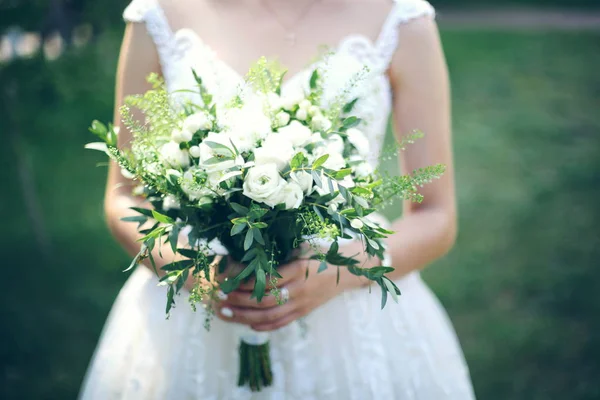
point(303, 296)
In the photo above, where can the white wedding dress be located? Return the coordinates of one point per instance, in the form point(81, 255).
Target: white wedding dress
point(350, 349)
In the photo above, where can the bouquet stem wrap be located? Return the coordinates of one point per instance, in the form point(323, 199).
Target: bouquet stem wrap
point(255, 360)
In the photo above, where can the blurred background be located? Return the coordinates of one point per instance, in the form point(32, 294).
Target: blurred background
point(522, 284)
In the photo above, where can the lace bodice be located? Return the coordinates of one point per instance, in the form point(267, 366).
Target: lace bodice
point(180, 51)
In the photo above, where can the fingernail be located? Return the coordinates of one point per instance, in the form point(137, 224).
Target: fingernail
point(227, 312)
point(221, 295)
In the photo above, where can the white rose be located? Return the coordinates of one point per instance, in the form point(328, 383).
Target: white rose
point(196, 122)
point(264, 184)
point(290, 98)
point(282, 118)
point(276, 149)
point(227, 154)
point(358, 139)
point(296, 133)
point(363, 169)
point(171, 202)
point(301, 114)
point(320, 123)
point(195, 151)
point(173, 156)
point(304, 180)
point(179, 136)
point(291, 195)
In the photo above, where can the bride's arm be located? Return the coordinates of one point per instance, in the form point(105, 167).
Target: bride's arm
point(138, 58)
point(420, 84)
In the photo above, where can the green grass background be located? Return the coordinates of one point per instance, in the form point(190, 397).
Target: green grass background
point(521, 285)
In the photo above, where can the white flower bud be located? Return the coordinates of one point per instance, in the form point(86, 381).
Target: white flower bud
point(357, 224)
point(314, 110)
point(332, 209)
point(304, 104)
point(186, 135)
point(320, 123)
point(176, 136)
point(282, 119)
point(301, 114)
point(195, 151)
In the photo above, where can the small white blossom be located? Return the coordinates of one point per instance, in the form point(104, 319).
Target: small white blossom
point(301, 114)
point(314, 110)
point(335, 144)
point(196, 122)
point(290, 98)
point(171, 202)
point(357, 224)
point(305, 105)
point(195, 151)
point(282, 118)
point(173, 156)
point(332, 209)
point(321, 123)
point(363, 169)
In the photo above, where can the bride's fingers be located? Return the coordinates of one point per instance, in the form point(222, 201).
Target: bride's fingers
point(242, 299)
point(280, 323)
point(289, 272)
point(253, 316)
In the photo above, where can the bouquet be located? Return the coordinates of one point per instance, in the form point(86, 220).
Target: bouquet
point(259, 177)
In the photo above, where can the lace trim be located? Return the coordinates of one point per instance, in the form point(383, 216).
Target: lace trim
point(403, 12)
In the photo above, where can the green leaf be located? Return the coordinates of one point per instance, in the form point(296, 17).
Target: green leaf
point(161, 217)
point(259, 285)
point(257, 212)
point(170, 300)
point(236, 229)
point(193, 254)
point(249, 239)
point(320, 161)
point(218, 146)
point(260, 225)
point(313, 79)
point(178, 265)
point(197, 78)
point(361, 201)
point(349, 106)
point(141, 219)
point(99, 129)
point(322, 266)
point(317, 178)
point(391, 287)
point(298, 160)
point(250, 254)
point(134, 263)
point(174, 237)
point(246, 272)
point(240, 209)
point(342, 173)
point(258, 236)
point(144, 211)
point(350, 122)
point(383, 293)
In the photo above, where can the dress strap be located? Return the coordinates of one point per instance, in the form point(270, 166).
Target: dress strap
point(153, 16)
point(402, 12)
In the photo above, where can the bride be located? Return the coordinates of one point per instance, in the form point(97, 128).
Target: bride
point(346, 347)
